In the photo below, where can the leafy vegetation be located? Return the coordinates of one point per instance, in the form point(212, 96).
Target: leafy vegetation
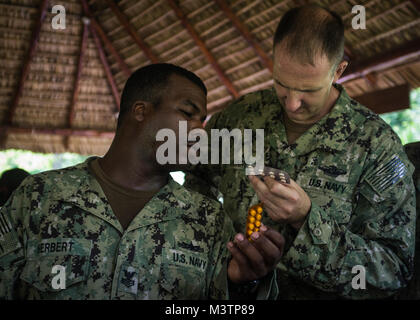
point(406, 123)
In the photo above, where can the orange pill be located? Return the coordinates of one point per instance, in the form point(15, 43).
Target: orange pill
point(258, 224)
point(259, 210)
point(252, 212)
point(259, 217)
point(251, 226)
point(251, 219)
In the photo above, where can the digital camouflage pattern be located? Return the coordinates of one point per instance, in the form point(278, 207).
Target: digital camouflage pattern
point(357, 175)
point(413, 289)
point(175, 248)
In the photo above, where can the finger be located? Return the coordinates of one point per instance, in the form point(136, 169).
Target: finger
point(257, 184)
point(282, 190)
point(253, 256)
point(275, 237)
point(246, 272)
point(262, 191)
point(270, 252)
point(236, 272)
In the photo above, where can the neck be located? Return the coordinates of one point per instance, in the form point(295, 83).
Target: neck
point(295, 130)
point(128, 166)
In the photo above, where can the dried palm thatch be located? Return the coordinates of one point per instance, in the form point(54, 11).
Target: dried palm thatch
point(59, 89)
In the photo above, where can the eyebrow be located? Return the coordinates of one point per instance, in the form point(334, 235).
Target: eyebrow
point(192, 104)
point(305, 90)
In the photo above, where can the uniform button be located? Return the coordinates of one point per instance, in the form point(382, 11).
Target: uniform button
point(317, 232)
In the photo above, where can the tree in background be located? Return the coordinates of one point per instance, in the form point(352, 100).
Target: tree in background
point(406, 123)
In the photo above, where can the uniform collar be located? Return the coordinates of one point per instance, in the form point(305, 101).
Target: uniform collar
point(83, 190)
point(169, 203)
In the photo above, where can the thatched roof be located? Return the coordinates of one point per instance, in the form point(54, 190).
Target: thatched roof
point(60, 93)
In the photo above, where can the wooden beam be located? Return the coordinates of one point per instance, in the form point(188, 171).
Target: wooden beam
point(27, 62)
point(243, 30)
point(371, 80)
point(200, 43)
point(383, 61)
point(75, 95)
point(61, 132)
point(107, 69)
point(132, 32)
point(100, 32)
point(386, 100)
point(83, 45)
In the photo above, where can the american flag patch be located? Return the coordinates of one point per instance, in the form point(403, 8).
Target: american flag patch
point(387, 174)
point(5, 226)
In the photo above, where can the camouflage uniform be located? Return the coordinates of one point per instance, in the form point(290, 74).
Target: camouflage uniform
point(354, 169)
point(175, 248)
point(413, 289)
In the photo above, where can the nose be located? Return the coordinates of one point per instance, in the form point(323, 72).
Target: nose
point(292, 101)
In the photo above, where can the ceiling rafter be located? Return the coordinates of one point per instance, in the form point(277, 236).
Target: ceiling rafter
point(95, 24)
point(243, 30)
point(206, 52)
point(383, 61)
point(27, 63)
point(75, 95)
point(132, 31)
point(107, 69)
point(25, 71)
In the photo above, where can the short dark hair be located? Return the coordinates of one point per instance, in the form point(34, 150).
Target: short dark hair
point(148, 84)
point(310, 30)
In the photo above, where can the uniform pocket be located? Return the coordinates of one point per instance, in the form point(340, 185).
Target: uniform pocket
point(55, 273)
point(56, 264)
point(339, 209)
point(183, 275)
point(331, 195)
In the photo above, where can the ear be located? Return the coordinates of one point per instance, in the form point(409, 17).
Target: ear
point(139, 110)
point(340, 70)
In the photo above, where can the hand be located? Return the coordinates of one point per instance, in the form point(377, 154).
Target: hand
point(254, 260)
point(284, 203)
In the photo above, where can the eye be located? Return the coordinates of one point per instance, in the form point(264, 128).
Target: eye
point(188, 114)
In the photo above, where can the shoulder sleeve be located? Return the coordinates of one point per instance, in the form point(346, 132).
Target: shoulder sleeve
point(12, 255)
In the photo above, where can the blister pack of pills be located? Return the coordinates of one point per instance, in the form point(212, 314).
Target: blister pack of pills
point(255, 212)
point(279, 175)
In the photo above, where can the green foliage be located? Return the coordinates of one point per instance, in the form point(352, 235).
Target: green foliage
point(37, 162)
point(406, 123)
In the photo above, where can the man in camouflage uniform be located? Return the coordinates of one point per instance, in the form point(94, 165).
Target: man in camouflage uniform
point(348, 215)
point(119, 227)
